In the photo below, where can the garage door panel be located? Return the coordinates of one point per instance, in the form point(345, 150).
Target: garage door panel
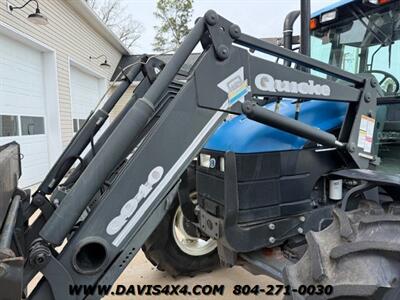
point(85, 93)
point(82, 111)
point(19, 67)
point(20, 87)
point(16, 50)
point(21, 79)
point(21, 107)
point(40, 174)
point(22, 95)
point(25, 84)
point(35, 162)
point(34, 154)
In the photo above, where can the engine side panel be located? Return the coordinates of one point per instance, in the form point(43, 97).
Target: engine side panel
point(266, 183)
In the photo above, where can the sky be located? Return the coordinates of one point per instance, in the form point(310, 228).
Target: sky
point(259, 18)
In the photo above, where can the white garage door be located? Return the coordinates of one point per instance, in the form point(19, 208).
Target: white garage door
point(86, 91)
point(22, 107)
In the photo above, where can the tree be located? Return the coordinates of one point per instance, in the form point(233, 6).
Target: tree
point(174, 16)
point(118, 19)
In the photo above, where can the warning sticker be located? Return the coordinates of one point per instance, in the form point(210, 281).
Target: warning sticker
point(366, 134)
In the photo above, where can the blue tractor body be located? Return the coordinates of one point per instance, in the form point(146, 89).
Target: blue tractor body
point(241, 135)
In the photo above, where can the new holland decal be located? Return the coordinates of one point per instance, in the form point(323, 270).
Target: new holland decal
point(235, 86)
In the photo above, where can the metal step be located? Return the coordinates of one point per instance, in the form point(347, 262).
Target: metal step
point(270, 262)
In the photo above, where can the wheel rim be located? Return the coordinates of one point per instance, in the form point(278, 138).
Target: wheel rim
point(190, 245)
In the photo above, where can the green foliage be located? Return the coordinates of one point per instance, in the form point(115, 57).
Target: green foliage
point(174, 16)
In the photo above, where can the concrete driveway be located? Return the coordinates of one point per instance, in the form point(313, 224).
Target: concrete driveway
point(142, 272)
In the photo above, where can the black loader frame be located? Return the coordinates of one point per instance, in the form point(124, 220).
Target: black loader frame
point(116, 197)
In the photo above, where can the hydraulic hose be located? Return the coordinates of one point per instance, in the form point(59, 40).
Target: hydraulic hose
point(288, 28)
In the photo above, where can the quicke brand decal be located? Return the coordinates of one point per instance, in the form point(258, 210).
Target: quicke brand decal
point(265, 82)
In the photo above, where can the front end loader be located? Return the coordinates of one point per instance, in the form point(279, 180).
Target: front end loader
point(318, 214)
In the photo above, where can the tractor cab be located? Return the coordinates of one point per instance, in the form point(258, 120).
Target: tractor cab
point(365, 38)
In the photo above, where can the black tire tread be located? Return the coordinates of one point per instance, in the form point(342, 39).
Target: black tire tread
point(359, 259)
point(161, 250)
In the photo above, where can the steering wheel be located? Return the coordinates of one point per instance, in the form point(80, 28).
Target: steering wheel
point(386, 75)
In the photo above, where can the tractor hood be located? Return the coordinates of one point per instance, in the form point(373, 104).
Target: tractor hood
point(241, 135)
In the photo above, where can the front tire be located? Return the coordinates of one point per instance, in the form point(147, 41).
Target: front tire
point(167, 250)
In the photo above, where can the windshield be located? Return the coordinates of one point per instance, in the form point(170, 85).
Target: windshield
point(369, 43)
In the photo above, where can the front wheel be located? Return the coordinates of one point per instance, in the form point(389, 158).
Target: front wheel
point(175, 247)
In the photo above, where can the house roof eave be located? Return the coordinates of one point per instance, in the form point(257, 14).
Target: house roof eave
point(83, 9)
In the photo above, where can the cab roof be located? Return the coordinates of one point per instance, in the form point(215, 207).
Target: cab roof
point(332, 6)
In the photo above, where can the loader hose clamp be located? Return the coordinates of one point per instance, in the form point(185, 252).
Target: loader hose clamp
point(148, 103)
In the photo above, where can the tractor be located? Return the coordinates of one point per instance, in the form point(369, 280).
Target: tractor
point(287, 167)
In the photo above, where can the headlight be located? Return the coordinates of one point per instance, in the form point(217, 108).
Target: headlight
point(205, 160)
point(327, 17)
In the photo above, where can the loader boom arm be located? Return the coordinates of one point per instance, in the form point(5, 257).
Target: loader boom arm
point(142, 187)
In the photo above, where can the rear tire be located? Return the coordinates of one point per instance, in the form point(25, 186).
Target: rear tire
point(358, 255)
point(163, 251)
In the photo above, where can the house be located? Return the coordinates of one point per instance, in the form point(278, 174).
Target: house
point(48, 84)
